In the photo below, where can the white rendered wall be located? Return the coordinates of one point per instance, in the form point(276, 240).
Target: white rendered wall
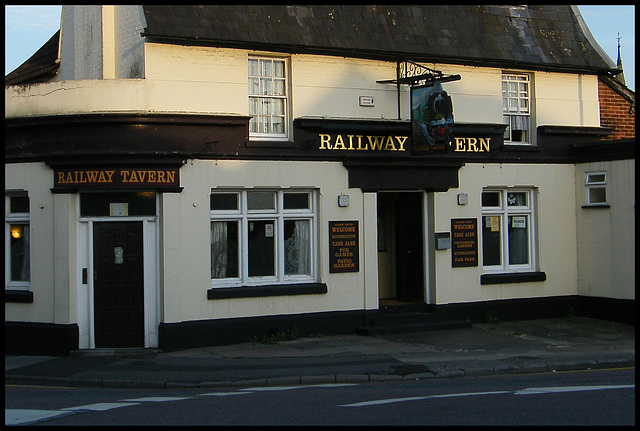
point(186, 239)
point(606, 236)
point(556, 232)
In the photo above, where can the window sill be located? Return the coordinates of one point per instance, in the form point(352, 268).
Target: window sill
point(520, 147)
point(596, 206)
point(275, 143)
point(266, 291)
point(514, 277)
point(18, 296)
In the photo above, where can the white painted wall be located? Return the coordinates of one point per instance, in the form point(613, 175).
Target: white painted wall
point(186, 239)
point(606, 236)
point(36, 180)
point(214, 81)
point(556, 232)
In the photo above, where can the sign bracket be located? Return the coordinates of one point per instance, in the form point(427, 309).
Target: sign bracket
point(412, 73)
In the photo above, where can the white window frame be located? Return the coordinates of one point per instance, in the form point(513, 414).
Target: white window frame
point(504, 211)
point(264, 95)
point(517, 104)
point(592, 183)
point(244, 216)
point(16, 218)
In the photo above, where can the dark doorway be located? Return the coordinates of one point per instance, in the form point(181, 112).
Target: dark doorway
point(409, 247)
point(400, 224)
point(118, 284)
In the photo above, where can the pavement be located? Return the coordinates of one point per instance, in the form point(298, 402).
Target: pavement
point(528, 346)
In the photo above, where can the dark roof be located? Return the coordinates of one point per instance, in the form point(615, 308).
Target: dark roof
point(40, 67)
point(537, 37)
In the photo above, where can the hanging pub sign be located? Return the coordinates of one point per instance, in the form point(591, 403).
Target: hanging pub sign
point(464, 242)
point(343, 246)
point(431, 119)
point(75, 178)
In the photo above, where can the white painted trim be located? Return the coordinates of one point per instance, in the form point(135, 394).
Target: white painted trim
point(85, 300)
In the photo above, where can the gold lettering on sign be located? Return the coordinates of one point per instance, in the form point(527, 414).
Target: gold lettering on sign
point(362, 142)
point(472, 145)
point(115, 177)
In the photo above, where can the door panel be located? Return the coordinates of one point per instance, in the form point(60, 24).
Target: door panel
point(118, 284)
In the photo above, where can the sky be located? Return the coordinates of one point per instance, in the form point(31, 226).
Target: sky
point(27, 28)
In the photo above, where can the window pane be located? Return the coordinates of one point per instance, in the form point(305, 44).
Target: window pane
point(20, 252)
point(266, 86)
point(261, 248)
point(278, 87)
point(254, 86)
point(19, 204)
point(595, 178)
point(261, 200)
point(597, 195)
point(277, 106)
point(490, 199)
point(297, 247)
point(253, 67)
point(224, 201)
point(277, 126)
point(517, 199)
point(518, 240)
point(279, 69)
point(266, 68)
point(224, 249)
point(491, 247)
point(296, 201)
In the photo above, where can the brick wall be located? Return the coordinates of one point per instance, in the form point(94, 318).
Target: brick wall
point(614, 113)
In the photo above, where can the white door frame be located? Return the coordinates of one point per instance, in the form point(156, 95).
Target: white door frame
point(85, 305)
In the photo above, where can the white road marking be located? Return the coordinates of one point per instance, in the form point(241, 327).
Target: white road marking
point(286, 388)
point(223, 394)
point(101, 407)
point(26, 417)
point(552, 390)
point(528, 391)
point(400, 400)
point(157, 399)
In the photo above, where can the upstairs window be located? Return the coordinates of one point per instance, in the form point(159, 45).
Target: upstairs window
point(268, 99)
point(516, 108)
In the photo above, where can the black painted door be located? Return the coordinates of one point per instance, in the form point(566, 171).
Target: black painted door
point(118, 284)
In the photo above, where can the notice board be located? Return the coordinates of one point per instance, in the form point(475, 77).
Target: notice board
point(344, 245)
point(464, 242)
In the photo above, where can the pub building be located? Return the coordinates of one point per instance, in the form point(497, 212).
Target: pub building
point(184, 176)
